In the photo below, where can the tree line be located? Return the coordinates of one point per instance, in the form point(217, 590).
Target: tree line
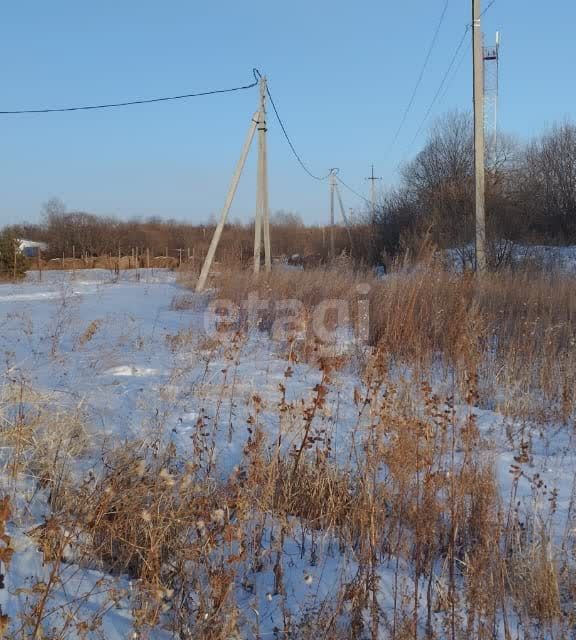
point(530, 199)
point(79, 234)
point(530, 192)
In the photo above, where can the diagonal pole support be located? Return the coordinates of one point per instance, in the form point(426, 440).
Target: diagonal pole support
point(344, 216)
point(228, 203)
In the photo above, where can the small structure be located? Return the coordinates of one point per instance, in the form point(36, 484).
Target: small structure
point(32, 249)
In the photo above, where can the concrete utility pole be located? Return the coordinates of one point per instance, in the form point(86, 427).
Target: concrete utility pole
point(264, 165)
point(262, 219)
point(342, 211)
point(479, 154)
point(373, 179)
point(344, 217)
point(332, 190)
point(335, 192)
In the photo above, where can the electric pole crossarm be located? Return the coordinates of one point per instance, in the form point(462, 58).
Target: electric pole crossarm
point(373, 179)
point(228, 203)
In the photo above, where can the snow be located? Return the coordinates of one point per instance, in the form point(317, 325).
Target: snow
point(551, 257)
point(130, 370)
point(115, 346)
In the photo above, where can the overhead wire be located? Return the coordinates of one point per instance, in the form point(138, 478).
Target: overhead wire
point(352, 190)
point(299, 158)
point(421, 75)
point(455, 73)
point(290, 143)
point(258, 75)
point(128, 103)
point(487, 7)
point(440, 87)
point(445, 77)
point(443, 84)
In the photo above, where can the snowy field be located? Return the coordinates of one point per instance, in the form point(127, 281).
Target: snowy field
point(134, 358)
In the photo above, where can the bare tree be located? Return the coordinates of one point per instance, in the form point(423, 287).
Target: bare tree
point(447, 157)
point(53, 206)
point(440, 180)
point(436, 195)
point(282, 218)
point(549, 175)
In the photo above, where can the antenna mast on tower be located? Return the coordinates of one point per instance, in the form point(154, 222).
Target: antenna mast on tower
point(491, 59)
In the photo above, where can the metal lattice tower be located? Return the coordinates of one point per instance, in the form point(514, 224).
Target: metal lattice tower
point(491, 56)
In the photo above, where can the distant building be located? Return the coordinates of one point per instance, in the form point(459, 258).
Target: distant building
point(31, 249)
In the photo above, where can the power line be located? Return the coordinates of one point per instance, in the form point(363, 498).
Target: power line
point(487, 7)
point(421, 75)
point(130, 102)
point(351, 190)
point(465, 51)
point(299, 159)
point(441, 86)
point(296, 154)
point(445, 77)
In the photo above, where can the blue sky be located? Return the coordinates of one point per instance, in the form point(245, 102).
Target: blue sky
point(340, 72)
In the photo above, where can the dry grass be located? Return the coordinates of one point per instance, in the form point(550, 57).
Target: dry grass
point(417, 492)
point(411, 508)
point(514, 331)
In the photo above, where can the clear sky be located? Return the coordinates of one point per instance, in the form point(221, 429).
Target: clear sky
point(340, 72)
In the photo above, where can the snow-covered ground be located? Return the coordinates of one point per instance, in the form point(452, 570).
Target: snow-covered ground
point(562, 258)
point(134, 355)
